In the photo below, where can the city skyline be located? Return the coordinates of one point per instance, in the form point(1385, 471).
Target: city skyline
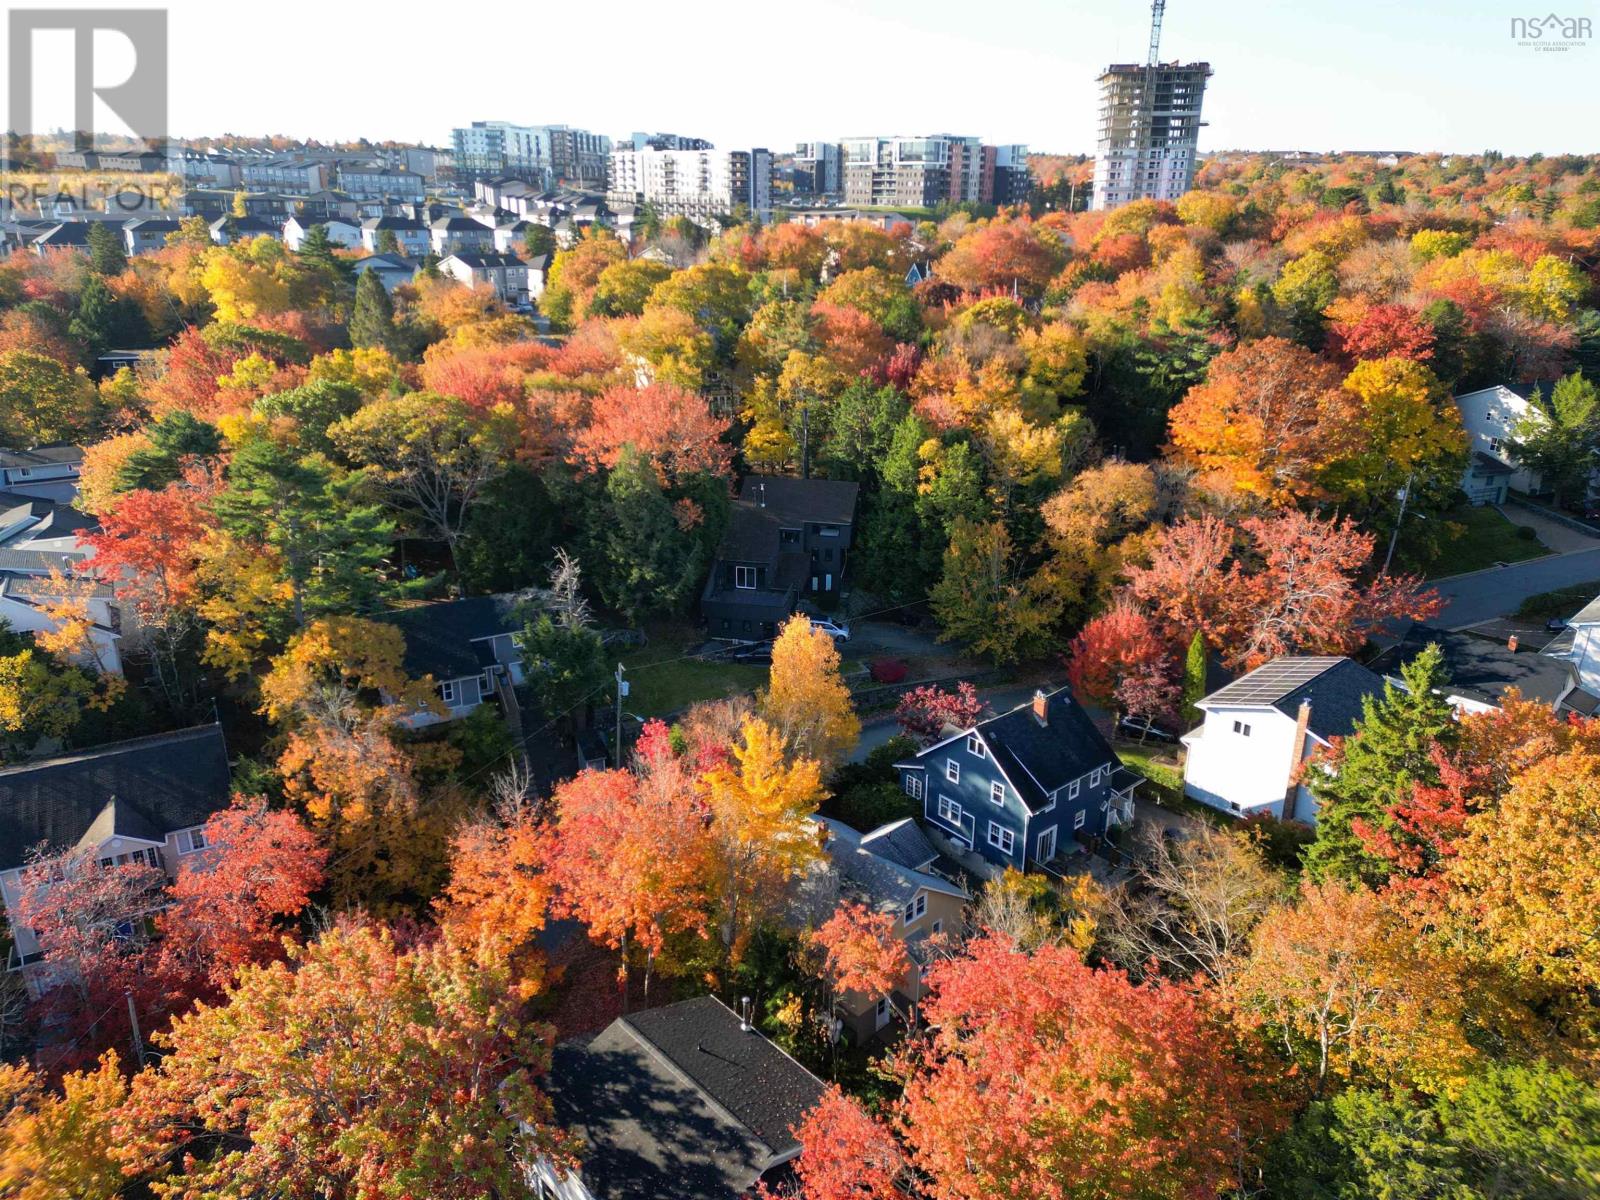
point(1435, 77)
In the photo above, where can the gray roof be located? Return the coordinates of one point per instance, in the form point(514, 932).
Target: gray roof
point(1334, 687)
point(396, 223)
point(148, 786)
point(796, 501)
point(51, 455)
point(1589, 614)
point(873, 875)
point(1482, 668)
point(487, 261)
point(901, 842)
point(679, 1103)
point(440, 637)
point(383, 262)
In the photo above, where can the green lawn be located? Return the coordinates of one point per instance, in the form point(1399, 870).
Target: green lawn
point(1473, 538)
point(662, 682)
point(1141, 758)
point(1562, 602)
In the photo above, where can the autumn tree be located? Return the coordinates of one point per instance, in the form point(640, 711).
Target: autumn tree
point(805, 699)
point(431, 455)
point(1113, 647)
point(761, 804)
point(926, 712)
point(986, 598)
point(54, 1145)
point(362, 1070)
point(1351, 994)
point(1076, 1072)
point(42, 400)
point(1004, 254)
point(1267, 421)
point(1191, 905)
point(672, 428)
point(1359, 780)
point(231, 902)
point(862, 955)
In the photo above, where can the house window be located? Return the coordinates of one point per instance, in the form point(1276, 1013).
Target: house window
point(974, 745)
point(914, 786)
point(1072, 790)
point(1078, 818)
point(952, 770)
point(938, 926)
point(450, 693)
point(997, 793)
point(916, 908)
point(1001, 838)
point(744, 577)
point(1241, 728)
point(950, 811)
point(191, 840)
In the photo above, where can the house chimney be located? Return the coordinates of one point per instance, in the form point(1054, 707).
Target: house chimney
point(1302, 724)
point(1041, 707)
point(1511, 643)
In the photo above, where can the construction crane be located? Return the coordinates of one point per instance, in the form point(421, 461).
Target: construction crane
point(1157, 8)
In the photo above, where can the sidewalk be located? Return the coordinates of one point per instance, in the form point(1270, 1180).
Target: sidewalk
point(1562, 539)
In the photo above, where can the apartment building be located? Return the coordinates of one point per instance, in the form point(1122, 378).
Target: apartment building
point(1149, 128)
point(539, 153)
point(698, 184)
point(897, 172)
point(664, 141)
point(818, 169)
point(1012, 179)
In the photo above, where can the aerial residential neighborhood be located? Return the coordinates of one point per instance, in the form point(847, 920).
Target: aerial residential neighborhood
point(860, 604)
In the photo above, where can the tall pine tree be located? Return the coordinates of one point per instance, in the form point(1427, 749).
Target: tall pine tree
point(372, 319)
point(106, 254)
point(1390, 749)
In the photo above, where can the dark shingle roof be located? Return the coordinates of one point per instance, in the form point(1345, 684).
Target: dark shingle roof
point(679, 1103)
point(159, 783)
point(439, 637)
point(751, 536)
point(1480, 668)
point(1334, 687)
point(479, 262)
point(867, 871)
point(1039, 759)
point(796, 501)
point(901, 842)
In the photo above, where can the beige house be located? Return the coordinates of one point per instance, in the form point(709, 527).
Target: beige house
point(892, 870)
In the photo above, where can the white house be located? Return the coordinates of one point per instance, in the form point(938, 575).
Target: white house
point(1490, 416)
point(453, 235)
point(140, 801)
point(341, 232)
point(505, 275)
point(1245, 757)
point(49, 472)
point(1582, 650)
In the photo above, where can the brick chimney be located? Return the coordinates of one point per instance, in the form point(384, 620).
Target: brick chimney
point(1041, 707)
point(1511, 643)
point(1302, 725)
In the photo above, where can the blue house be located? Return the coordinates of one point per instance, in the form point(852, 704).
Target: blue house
point(1025, 787)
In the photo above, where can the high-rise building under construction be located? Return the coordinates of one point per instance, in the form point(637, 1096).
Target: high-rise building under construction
point(1149, 126)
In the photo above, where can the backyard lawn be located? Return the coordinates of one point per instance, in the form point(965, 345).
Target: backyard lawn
point(1482, 538)
point(661, 684)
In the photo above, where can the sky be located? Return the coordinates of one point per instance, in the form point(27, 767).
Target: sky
point(1445, 75)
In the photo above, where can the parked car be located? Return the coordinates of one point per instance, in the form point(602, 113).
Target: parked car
point(832, 628)
point(1555, 625)
point(1144, 730)
point(752, 654)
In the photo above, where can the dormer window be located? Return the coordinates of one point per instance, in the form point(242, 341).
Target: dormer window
point(744, 577)
point(974, 745)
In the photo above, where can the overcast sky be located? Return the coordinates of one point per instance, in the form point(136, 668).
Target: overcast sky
point(1353, 74)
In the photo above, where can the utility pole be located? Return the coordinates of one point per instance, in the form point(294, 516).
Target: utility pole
point(1405, 497)
point(622, 690)
point(133, 1022)
point(805, 439)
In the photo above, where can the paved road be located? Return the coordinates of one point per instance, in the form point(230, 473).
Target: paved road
point(1496, 592)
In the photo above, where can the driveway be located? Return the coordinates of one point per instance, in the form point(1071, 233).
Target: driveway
point(1497, 591)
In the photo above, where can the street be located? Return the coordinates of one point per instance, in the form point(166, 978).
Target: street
point(1496, 592)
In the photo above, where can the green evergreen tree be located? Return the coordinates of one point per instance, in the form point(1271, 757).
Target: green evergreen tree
point(388, 242)
point(564, 664)
point(858, 429)
point(509, 534)
point(650, 562)
point(372, 318)
point(103, 322)
point(1194, 680)
point(1389, 750)
point(314, 515)
point(1557, 437)
point(176, 438)
point(538, 239)
point(106, 254)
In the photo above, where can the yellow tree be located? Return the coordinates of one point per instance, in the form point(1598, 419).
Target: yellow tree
point(1526, 877)
point(247, 280)
point(805, 700)
point(53, 1145)
point(1340, 981)
point(1407, 429)
point(763, 837)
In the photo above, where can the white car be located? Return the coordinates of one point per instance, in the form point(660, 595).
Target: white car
point(835, 631)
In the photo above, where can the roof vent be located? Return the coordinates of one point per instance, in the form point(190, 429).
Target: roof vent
point(744, 1014)
point(761, 493)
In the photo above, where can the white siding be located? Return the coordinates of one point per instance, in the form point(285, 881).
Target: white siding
point(1239, 774)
